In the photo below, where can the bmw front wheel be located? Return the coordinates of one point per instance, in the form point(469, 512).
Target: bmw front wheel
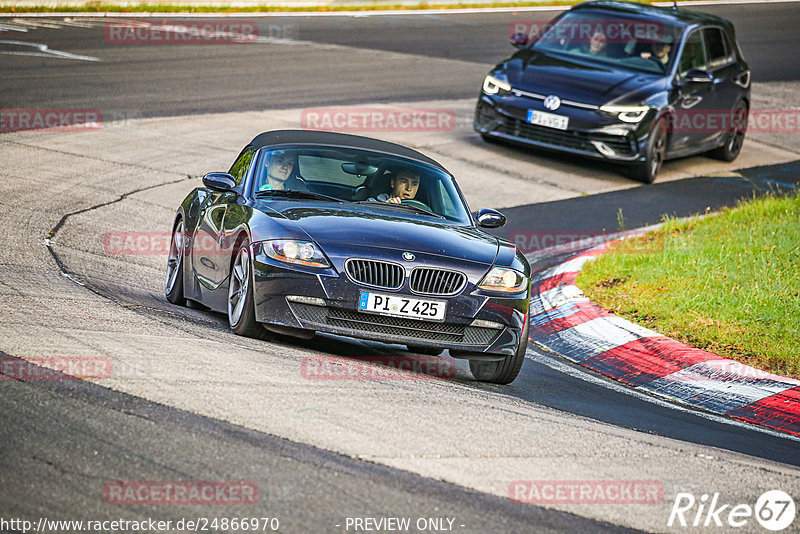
point(241, 311)
point(503, 371)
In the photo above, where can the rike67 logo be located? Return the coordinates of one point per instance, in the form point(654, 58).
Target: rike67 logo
point(774, 510)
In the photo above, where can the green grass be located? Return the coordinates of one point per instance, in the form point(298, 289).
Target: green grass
point(728, 283)
point(100, 7)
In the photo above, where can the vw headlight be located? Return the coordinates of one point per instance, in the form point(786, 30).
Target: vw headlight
point(503, 280)
point(495, 84)
point(298, 252)
point(630, 114)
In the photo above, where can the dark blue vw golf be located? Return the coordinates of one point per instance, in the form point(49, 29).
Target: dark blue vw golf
point(628, 83)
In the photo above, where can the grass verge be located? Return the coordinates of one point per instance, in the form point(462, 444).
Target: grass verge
point(728, 284)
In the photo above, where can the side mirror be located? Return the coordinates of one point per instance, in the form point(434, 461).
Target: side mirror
point(219, 181)
point(699, 76)
point(490, 218)
point(519, 40)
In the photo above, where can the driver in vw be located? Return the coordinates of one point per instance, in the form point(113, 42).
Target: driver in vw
point(405, 185)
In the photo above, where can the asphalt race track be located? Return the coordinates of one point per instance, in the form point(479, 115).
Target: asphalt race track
point(186, 400)
point(398, 58)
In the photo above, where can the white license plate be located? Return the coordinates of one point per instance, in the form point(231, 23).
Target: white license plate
point(551, 120)
point(402, 306)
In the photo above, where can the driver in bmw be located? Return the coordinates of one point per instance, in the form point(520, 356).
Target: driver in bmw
point(405, 185)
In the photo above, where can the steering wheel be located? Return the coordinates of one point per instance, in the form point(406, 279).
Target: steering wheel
point(661, 66)
point(417, 203)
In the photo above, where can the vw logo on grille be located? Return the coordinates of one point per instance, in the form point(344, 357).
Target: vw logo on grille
point(552, 102)
point(408, 256)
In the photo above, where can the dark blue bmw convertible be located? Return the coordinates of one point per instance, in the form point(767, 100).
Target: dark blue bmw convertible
point(323, 232)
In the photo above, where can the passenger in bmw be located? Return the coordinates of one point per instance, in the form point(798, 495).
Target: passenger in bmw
point(597, 44)
point(405, 184)
point(282, 172)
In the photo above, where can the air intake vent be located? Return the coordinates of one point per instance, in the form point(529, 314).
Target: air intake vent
point(436, 281)
point(376, 273)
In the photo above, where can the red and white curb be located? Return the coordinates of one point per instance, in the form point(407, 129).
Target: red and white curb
point(567, 323)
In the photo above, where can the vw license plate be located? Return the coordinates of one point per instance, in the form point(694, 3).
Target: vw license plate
point(551, 120)
point(402, 306)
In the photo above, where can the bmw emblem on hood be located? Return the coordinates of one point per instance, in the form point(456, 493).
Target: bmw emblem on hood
point(552, 102)
point(408, 256)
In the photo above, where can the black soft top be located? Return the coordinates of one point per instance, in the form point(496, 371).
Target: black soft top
point(313, 137)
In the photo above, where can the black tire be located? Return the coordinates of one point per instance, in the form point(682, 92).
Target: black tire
point(503, 371)
point(733, 143)
point(428, 351)
point(173, 284)
point(656, 149)
point(241, 310)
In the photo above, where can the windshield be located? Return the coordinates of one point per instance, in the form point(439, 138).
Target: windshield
point(632, 43)
point(353, 175)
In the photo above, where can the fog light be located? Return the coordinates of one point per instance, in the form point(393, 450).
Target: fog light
point(604, 148)
point(313, 301)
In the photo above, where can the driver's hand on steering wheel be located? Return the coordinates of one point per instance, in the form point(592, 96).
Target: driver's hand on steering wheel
point(394, 200)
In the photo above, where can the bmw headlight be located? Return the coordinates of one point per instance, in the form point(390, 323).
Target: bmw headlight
point(503, 280)
point(498, 83)
point(293, 251)
point(630, 114)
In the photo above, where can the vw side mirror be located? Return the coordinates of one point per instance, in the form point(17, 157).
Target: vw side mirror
point(519, 40)
point(699, 76)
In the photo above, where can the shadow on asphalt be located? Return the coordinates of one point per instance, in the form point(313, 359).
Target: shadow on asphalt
point(647, 204)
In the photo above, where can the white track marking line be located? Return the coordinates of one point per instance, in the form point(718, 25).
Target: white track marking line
point(11, 28)
point(43, 51)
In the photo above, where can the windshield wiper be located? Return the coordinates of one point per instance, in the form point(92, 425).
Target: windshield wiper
point(406, 206)
point(290, 193)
